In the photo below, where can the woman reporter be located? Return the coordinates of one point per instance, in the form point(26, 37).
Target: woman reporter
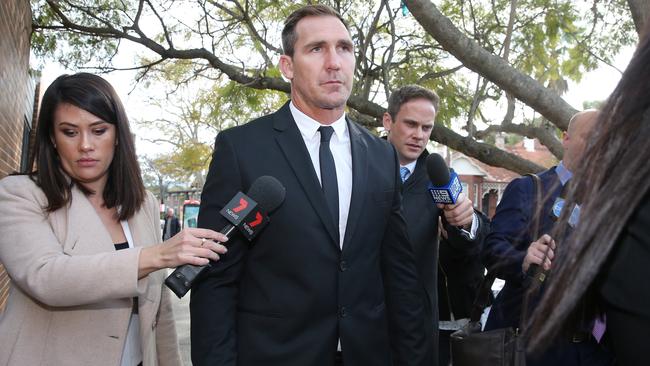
point(80, 237)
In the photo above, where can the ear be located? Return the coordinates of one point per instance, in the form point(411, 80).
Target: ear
point(565, 138)
point(388, 121)
point(286, 66)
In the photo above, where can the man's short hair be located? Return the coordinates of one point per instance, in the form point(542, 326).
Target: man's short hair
point(408, 93)
point(289, 35)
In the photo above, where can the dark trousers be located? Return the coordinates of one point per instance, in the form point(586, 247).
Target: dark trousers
point(569, 353)
point(444, 347)
point(338, 359)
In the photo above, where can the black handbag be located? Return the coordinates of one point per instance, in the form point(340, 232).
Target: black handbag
point(499, 347)
point(470, 346)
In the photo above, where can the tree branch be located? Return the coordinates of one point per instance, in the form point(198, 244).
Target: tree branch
point(545, 137)
point(486, 153)
point(434, 75)
point(474, 57)
point(640, 10)
point(255, 79)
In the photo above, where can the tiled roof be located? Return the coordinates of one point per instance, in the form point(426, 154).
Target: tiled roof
point(541, 156)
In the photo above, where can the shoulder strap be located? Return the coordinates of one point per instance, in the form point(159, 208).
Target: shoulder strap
point(537, 205)
point(535, 282)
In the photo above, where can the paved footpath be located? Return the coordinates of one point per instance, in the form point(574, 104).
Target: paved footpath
point(182, 314)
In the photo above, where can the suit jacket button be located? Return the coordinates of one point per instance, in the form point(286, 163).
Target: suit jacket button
point(343, 266)
point(342, 312)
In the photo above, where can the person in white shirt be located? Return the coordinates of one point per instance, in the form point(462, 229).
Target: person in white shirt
point(332, 278)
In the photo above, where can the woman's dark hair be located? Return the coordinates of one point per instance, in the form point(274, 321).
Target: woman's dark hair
point(124, 187)
point(609, 183)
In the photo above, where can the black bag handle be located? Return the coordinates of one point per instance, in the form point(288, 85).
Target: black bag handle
point(534, 282)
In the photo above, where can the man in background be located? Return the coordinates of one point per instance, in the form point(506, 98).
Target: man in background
point(511, 248)
point(452, 277)
point(172, 225)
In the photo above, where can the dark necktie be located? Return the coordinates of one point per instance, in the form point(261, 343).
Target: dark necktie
point(328, 173)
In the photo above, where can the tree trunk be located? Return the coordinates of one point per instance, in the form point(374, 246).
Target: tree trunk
point(640, 10)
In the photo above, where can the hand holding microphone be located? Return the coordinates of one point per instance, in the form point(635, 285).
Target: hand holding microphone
point(187, 247)
point(246, 213)
point(543, 249)
point(446, 192)
point(192, 246)
point(537, 249)
point(459, 214)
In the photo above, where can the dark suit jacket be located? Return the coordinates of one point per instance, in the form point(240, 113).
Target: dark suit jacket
point(626, 299)
point(421, 216)
point(504, 251)
point(289, 296)
point(510, 236)
point(175, 226)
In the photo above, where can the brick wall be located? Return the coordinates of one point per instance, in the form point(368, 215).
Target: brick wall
point(16, 93)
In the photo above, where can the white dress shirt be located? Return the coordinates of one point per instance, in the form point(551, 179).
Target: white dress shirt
point(341, 151)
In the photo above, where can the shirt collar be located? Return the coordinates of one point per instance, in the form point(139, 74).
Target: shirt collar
point(410, 166)
point(563, 173)
point(309, 127)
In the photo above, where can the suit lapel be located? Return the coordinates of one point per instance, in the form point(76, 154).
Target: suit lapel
point(293, 147)
point(359, 150)
point(419, 172)
point(93, 236)
point(140, 229)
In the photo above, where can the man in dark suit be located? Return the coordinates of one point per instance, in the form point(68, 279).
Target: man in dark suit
point(511, 248)
point(172, 226)
point(452, 285)
point(333, 269)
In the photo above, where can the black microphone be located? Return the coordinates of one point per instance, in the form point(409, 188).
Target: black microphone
point(247, 213)
point(444, 185)
point(556, 211)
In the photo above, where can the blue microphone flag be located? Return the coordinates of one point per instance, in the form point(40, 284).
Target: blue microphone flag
point(447, 194)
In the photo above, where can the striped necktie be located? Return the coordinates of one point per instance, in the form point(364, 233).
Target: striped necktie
point(404, 173)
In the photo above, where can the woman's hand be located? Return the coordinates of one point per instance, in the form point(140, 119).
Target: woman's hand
point(190, 246)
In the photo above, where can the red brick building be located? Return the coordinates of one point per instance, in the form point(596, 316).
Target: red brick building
point(484, 184)
point(17, 93)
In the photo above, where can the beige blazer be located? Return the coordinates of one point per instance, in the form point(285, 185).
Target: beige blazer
point(71, 295)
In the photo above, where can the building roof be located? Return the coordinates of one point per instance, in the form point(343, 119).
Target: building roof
point(539, 155)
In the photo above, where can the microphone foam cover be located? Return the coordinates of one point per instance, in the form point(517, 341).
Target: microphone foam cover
point(437, 170)
point(268, 192)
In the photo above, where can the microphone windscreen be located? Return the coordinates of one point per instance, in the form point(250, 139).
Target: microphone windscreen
point(437, 170)
point(268, 192)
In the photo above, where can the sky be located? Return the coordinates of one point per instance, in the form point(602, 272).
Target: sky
point(595, 85)
point(598, 84)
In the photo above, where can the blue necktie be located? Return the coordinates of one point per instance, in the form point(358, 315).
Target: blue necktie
point(404, 173)
point(328, 173)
